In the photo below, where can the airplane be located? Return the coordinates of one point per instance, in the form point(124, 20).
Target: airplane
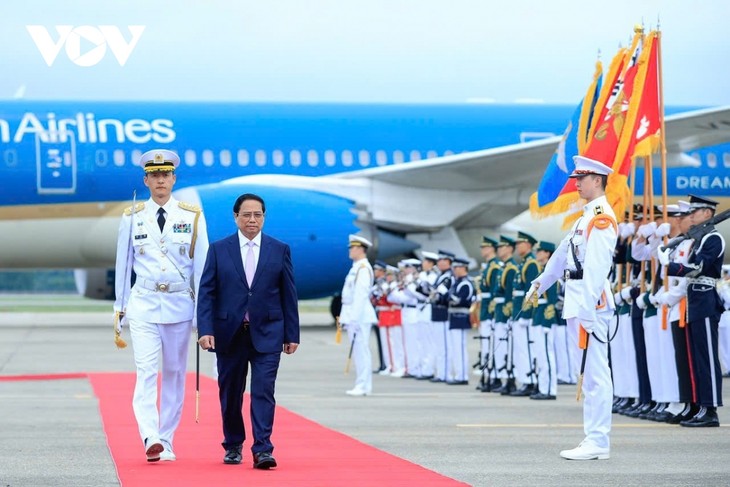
point(409, 177)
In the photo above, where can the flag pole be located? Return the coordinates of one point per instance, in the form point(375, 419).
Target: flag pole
point(663, 149)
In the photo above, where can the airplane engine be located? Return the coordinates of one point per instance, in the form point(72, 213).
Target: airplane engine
point(95, 283)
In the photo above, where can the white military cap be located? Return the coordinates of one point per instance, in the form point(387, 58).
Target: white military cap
point(410, 263)
point(684, 207)
point(460, 262)
point(159, 160)
point(358, 241)
point(430, 256)
point(672, 210)
point(391, 269)
point(585, 166)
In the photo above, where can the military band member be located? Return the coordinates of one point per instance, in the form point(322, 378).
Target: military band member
point(723, 289)
point(543, 323)
point(503, 316)
point(461, 296)
point(440, 312)
point(358, 315)
point(164, 241)
point(391, 325)
point(522, 311)
point(408, 298)
point(487, 282)
point(704, 308)
point(425, 286)
point(584, 258)
point(379, 273)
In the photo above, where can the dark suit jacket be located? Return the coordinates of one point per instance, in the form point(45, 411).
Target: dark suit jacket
point(271, 302)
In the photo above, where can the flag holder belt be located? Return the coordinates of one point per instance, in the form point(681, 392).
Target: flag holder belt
point(709, 281)
point(569, 275)
point(165, 287)
point(518, 293)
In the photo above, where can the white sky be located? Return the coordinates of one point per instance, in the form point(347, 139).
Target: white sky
point(366, 51)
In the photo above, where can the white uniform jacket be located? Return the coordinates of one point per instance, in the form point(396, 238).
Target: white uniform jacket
point(593, 237)
point(356, 305)
point(168, 264)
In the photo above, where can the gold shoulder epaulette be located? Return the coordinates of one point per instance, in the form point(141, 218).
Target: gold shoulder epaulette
point(189, 207)
point(137, 208)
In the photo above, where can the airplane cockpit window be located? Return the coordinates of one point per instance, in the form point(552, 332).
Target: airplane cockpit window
point(101, 158)
point(295, 158)
point(381, 158)
point(242, 157)
point(190, 157)
point(277, 157)
point(312, 158)
point(712, 160)
point(208, 158)
point(364, 158)
point(118, 157)
point(225, 157)
point(11, 158)
point(260, 158)
point(347, 158)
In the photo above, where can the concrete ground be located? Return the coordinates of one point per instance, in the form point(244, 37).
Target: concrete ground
point(52, 434)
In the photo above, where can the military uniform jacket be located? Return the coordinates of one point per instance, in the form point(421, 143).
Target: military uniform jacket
point(703, 268)
point(677, 285)
point(527, 271)
point(503, 295)
point(487, 282)
point(168, 264)
point(356, 306)
point(546, 312)
point(388, 312)
point(439, 307)
point(461, 297)
point(594, 237)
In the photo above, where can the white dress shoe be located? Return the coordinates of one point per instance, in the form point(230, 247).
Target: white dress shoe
point(356, 392)
point(398, 373)
point(384, 372)
point(586, 451)
point(167, 455)
point(152, 448)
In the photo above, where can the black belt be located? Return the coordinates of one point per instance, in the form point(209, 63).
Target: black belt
point(410, 306)
point(573, 275)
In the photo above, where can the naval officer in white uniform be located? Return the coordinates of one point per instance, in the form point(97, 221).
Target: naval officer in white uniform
point(165, 242)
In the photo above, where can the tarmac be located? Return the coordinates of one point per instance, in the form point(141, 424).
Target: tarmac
point(52, 432)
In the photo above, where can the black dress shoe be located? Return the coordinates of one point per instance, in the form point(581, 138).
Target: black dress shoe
point(525, 390)
point(507, 388)
point(457, 382)
point(706, 418)
point(436, 379)
point(424, 377)
point(263, 461)
point(233, 455)
point(542, 397)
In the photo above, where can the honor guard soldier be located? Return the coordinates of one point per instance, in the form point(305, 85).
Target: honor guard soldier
point(408, 298)
point(379, 273)
point(522, 310)
point(461, 297)
point(488, 281)
point(543, 323)
point(704, 308)
point(585, 258)
point(164, 242)
point(503, 316)
point(358, 315)
point(426, 285)
point(440, 312)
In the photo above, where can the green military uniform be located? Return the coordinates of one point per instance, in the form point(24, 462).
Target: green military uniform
point(502, 299)
point(488, 281)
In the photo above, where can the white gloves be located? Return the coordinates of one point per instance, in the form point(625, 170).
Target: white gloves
point(617, 298)
point(663, 255)
point(647, 230)
point(663, 230)
point(442, 289)
point(626, 293)
point(530, 292)
point(654, 300)
point(640, 301)
point(587, 325)
point(628, 230)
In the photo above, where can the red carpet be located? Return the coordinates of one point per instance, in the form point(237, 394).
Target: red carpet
point(308, 453)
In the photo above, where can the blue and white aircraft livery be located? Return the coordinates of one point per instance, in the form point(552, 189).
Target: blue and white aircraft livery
point(406, 176)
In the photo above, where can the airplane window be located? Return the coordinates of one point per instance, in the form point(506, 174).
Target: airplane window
point(11, 158)
point(712, 160)
point(398, 157)
point(431, 154)
point(295, 158)
point(448, 153)
point(225, 157)
point(381, 158)
point(364, 157)
point(260, 158)
point(242, 157)
point(101, 158)
point(118, 157)
point(726, 159)
point(208, 157)
point(415, 155)
point(136, 154)
point(347, 158)
point(277, 158)
point(329, 158)
point(190, 157)
point(312, 158)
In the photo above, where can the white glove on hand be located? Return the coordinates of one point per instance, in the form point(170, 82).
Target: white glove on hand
point(587, 325)
point(654, 300)
point(663, 255)
point(641, 302)
point(530, 292)
point(617, 298)
point(626, 293)
point(662, 230)
point(629, 230)
point(647, 230)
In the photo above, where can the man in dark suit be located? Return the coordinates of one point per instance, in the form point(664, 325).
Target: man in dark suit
point(247, 313)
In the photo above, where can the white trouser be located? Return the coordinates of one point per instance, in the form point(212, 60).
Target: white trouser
point(562, 357)
point(623, 359)
point(723, 338)
point(359, 335)
point(653, 356)
point(597, 386)
point(544, 347)
point(485, 338)
point(458, 364)
point(523, 352)
point(428, 353)
point(148, 340)
point(392, 338)
point(440, 330)
point(668, 368)
point(502, 353)
point(409, 319)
